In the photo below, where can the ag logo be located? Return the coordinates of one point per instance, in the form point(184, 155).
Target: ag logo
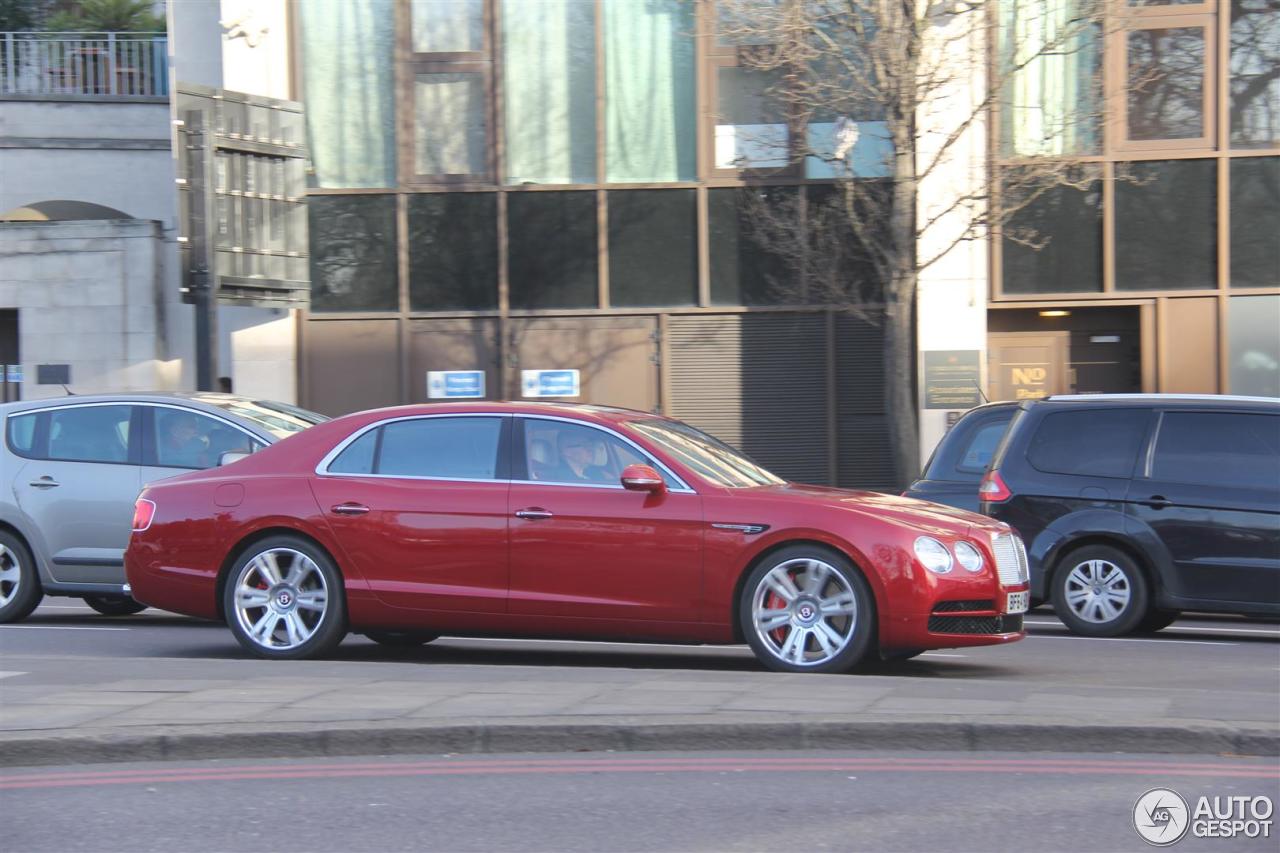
point(1161, 817)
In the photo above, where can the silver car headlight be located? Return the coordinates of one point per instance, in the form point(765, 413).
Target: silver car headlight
point(969, 557)
point(933, 555)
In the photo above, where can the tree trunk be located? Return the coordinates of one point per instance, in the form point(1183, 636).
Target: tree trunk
point(900, 379)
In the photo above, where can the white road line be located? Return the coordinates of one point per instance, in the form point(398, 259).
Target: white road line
point(10, 674)
point(1185, 628)
point(940, 655)
point(81, 609)
point(590, 643)
point(60, 628)
point(1128, 640)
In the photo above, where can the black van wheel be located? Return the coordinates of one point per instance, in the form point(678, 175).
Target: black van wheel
point(1099, 591)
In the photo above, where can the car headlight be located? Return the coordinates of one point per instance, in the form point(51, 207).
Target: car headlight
point(933, 555)
point(969, 557)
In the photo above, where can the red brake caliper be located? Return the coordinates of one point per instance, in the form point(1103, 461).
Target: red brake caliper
point(773, 602)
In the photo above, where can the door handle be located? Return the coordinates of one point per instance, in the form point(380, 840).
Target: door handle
point(533, 513)
point(1157, 502)
point(45, 482)
point(349, 509)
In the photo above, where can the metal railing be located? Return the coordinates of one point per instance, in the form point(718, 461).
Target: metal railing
point(101, 64)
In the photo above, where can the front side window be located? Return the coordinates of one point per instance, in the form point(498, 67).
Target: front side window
point(1090, 443)
point(185, 439)
point(1219, 449)
point(90, 433)
point(711, 458)
point(559, 452)
point(449, 448)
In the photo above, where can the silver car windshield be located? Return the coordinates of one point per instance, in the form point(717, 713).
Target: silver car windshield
point(709, 457)
point(279, 419)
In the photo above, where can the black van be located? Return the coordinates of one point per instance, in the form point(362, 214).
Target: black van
point(1134, 508)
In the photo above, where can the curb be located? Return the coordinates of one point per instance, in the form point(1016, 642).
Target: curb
point(504, 737)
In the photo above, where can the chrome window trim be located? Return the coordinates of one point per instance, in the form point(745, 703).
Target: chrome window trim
point(322, 467)
point(683, 489)
point(217, 416)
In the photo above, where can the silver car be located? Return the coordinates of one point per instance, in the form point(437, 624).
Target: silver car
point(71, 469)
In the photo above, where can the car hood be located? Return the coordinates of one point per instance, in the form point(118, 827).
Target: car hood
point(924, 515)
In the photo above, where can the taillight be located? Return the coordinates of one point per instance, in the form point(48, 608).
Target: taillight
point(993, 488)
point(143, 511)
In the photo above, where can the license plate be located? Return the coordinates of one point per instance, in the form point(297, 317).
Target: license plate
point(1018, 602)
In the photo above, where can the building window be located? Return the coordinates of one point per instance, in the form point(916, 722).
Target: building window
point(1255, 74)
point(751, 124)
point(653, 248)
point(747, 266)
point(1165, 82)
point(1053, 242)
point(1166, 226)
point(349, 82)
point(552, 257)
point(453, 251)
point(1255, 222)
point(450, 126)
point(1052, 62)
point(353, 253)
point(550, 91)
point(1255, 348)
point(650, 76)
point(447, 26)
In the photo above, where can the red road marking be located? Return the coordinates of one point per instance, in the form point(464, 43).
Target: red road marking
point(456, 767)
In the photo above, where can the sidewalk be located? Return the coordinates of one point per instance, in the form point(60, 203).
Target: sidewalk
point(262, 709)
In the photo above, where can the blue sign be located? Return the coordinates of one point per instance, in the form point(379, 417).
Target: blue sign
point(455, 384)
point(13, 373)
point(549, 383)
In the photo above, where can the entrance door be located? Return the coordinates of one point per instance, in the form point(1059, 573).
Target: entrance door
point(1027, 365)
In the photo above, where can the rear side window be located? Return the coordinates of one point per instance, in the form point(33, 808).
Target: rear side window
point(358, 457)
point(22, 434)
point(965, 452)
point(90, 433)
point(1090, 443)
point(1218, 448)
point(460, 448)
point(977, 454)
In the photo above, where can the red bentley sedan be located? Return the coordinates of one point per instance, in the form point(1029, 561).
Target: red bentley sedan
point(534, 519)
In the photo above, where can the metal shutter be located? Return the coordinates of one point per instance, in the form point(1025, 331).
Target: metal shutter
point(864, 457)
point(758, 382)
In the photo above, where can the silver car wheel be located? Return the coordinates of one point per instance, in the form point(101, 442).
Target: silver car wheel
point(804, 612)
point(281, 598)
point(10, 575)
point(1098, 591)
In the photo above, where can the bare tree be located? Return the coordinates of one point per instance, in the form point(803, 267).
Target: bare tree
point(885, 98)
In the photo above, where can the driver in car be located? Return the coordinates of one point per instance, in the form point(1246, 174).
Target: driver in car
point(578, 455)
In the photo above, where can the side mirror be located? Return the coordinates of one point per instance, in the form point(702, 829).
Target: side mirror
point(232, 456)
point(642, 478)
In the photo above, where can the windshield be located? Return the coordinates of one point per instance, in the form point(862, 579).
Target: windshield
point(709, 457)
point(279, 419)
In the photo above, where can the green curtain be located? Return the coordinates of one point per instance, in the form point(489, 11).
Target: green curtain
point(650, 78)
point(549, 71)
point(1050, 104)
point(348, 75)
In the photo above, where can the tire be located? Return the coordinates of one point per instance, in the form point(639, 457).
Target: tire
point(807, 609)
point(401, 639)
point(20, 590)
point(1099, 591)
point(1158, 620)
point(284, 600)
point(114, 605)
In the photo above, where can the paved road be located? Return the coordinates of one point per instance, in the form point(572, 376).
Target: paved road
point(878, 801)
point(66, 672)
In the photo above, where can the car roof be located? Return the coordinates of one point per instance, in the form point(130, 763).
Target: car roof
point(612, 414)
point(203, 398)
point(1199, 400)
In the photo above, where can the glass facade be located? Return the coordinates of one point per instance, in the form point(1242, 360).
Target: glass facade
point(1166, 83)
point(553, 258)
point(746, 267)
point(453, 251)
point(447, 26)
point(450, 136)
point(1255, 222)
point(1254, 346)
point(1053, 244)
point(349, 83)
point(1167, 226)
point(653, 248)
point(353, 253)
point(1255, 85)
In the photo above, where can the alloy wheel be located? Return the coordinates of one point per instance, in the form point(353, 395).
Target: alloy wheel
point(281, 597)
point(804, 612)
point(1098, 591)
point(10, 575)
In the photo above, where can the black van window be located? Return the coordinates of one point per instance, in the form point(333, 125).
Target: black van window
point(977, 454)
point(1090, 443)
point(1219, 448)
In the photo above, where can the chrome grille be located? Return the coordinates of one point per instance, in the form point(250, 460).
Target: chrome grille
point(1011, 559)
